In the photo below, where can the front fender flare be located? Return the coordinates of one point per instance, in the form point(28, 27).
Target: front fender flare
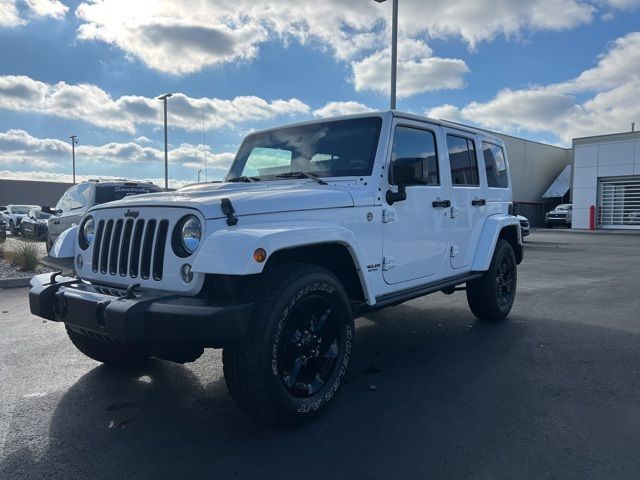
point(230, 251)
point(489, 238)
point(65, 244)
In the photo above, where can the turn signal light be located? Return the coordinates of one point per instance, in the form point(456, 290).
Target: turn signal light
point(260, 255)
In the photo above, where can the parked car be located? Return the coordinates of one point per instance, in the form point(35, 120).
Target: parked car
point(15, 214)
point(559, 216)
point(525, 227)
point(3, 229)
point(34, 224)
point(316, 224)
point(81, 197)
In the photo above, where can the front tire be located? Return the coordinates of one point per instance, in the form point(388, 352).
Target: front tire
point(106, 351)
point(491, 297)
point(297, 350)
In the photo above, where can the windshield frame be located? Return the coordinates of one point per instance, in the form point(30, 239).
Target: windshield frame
point(239, 164)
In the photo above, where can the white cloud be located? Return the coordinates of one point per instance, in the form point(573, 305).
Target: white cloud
point(614, 84)
point(182, 36)
point(418, 71)
point(91, 104)
point(18, 147)
point(47, 8)
point(11, 16)
point(333, 109)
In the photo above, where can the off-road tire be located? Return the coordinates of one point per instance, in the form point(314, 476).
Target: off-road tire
point(485, 295)
point(252, 366)
point(105, 351)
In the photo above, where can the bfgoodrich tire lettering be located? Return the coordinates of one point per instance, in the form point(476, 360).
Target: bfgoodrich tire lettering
point(491, 296)
point(298, 347)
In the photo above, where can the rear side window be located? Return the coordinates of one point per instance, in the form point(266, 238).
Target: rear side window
point(415, 143)
point(464, 164)
point(495, 165)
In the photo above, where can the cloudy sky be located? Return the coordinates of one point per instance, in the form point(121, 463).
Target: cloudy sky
point(548, 70)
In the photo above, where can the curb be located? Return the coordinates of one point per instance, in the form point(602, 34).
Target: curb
point(15, 282)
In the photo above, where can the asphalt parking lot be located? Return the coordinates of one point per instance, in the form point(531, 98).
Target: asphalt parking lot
point(554, 392)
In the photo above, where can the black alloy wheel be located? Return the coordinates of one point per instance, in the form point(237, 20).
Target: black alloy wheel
point(308, 349)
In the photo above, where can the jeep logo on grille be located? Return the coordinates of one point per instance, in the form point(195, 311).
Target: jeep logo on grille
point(131, 213)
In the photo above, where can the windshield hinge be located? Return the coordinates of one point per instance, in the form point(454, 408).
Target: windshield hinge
point(388, 263)
point(228, 211)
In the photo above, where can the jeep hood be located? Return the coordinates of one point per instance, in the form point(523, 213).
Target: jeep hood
point(247, 199)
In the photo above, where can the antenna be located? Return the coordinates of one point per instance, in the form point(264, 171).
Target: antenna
point(204, 147)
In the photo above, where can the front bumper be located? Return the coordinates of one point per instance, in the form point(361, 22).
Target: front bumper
point(556, 220)
point(144, 317)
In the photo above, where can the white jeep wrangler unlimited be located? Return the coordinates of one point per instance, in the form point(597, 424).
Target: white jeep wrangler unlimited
point(316, 224)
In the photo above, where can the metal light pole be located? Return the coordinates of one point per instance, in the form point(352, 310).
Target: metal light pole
point(199, 172)
point(74, 142)
point(394, 51)
point(166, 151)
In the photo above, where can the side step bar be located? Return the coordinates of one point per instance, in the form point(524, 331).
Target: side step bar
point(396, 298)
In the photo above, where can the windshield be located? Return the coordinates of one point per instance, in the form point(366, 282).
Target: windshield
point(111, 193)
point(17, 209)
point(338, 148)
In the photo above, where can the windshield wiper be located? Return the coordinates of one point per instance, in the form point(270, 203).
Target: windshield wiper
point(302, 175)
point(244, 178)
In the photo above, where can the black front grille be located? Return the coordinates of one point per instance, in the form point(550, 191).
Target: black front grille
point(133, 248)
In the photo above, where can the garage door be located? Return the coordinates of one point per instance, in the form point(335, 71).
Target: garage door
point(619, 203)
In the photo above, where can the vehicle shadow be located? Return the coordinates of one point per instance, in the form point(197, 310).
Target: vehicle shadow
point(432, 393)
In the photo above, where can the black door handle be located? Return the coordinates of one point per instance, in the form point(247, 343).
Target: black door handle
point(478, 203)
point(441, 203)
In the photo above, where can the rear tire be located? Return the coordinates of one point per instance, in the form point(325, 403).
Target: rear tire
point(297, 350)
point(491, 296)
point(106, 351)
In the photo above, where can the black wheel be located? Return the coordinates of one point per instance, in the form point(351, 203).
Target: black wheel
point(491, 296)
point(105, 350)
point(12, 228)
point(297, 350)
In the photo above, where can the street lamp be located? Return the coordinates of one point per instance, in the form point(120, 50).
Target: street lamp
point(199, 172)
point(74, 142)
point(166, 151)
point(394, 51)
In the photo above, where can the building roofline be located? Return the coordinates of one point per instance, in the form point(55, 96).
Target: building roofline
point(609, 137)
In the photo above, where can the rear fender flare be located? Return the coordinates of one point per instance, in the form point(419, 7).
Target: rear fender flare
point(489, 238)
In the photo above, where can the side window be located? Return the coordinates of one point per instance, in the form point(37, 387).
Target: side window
point(416, 143)
point(495, 165)
point(464, 164)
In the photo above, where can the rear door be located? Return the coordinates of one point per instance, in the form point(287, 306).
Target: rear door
point(416, 231)
point(469, 205)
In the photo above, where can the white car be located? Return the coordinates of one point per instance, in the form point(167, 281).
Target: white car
point(14, 215)
point(81, 197)
point(316, 224)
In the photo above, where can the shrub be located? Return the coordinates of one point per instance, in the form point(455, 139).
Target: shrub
point(24, 256)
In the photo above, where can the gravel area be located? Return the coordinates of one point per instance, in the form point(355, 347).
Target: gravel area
point(8, 271)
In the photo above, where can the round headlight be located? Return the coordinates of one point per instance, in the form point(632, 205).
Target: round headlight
point(87, 232)
point(190, 233)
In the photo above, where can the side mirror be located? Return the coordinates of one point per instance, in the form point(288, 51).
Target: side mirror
point(404, 173)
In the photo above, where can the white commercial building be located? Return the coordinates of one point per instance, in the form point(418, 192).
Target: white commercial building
point(606, 181)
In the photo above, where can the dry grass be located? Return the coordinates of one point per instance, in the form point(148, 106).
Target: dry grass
point(23, 255)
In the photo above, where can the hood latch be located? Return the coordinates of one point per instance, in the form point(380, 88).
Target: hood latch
point(229, 212)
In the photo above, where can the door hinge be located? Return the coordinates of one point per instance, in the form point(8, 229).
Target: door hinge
point(388, 215)
point(453, 251)
point(388, 263)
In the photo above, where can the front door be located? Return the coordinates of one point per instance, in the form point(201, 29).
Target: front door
point(468, 209)
point(416, 230)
